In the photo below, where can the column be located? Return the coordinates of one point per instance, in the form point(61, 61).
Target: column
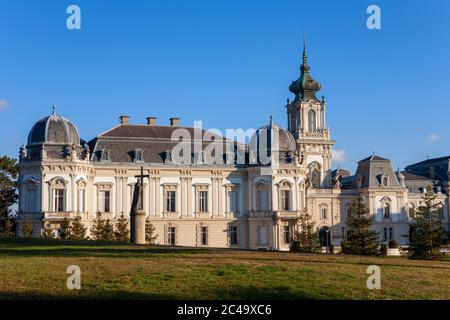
point(44, 194)
point(124, 197)
point(73, 191)
point(213, 200)
point(220, 197)
point(250, 194)
point(157, 196)
point(182, 194)
point(189, 196)
point(118, 183)
point(151, 209)
point(274, 197)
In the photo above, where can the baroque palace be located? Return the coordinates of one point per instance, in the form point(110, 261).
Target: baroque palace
point(250, 205)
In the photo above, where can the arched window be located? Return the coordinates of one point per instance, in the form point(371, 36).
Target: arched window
point(315, 178)
point(386, 211)
point(81, 195)
point(312, 120)
point(262, 197)
point(412, 211)
point(58, 195)
point(285, 196)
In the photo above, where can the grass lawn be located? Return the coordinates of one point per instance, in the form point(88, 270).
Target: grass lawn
point(36, 269)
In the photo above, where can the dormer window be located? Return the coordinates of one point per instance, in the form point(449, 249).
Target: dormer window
point(168, 157)
point(199, 157)
point(104, 155)
point(138, 155)
point(384, 181)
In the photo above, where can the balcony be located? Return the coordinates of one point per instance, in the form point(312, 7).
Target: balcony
point(48, 215)
point(317, 134)
point(286, 214)
point(260, 214)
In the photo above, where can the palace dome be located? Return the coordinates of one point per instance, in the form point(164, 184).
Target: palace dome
point(54, 129)
point(274, 140)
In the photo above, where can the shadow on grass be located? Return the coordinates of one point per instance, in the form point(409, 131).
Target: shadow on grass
point(236, 293)
point(36, 247)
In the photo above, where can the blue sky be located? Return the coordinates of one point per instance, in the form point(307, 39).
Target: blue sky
point(229, 63)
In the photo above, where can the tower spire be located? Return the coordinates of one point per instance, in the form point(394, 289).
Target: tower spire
point(304, 49)
point(305, 87)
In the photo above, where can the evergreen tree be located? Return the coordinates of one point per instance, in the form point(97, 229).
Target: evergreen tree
point(361, 238)
point(307, 238)
point(78, 230)
point(48, 232)
point(65, 229)
point(427, 232)
point(98, 227)
point(8, 194)
point(150, 235)
point(8, 229)
point(122, 233)
point(108, 231)
point(27, 228)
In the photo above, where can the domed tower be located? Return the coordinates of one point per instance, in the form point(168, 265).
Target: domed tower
point(52, 137)
point(306, 122)
point(272, 143)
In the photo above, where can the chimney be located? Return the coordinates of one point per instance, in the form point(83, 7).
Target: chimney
point(124, 119)
point(174, 122)
point(151, 121)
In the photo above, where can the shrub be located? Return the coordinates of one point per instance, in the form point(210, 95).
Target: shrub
point(344, 246)
point(331, 248)
point(383, 249)
point(393, 244)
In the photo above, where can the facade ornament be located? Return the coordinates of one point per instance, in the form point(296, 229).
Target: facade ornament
point(43, 152)
point(23, 153)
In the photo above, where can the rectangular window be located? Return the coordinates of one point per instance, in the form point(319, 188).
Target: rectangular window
point(170, 201)
point(104, 201)
point(391, 234)
point(233, 235)
point(171, 236)
point(203, 201)
point(58, 200)
point(287, 234)
point(285, 200)
point(261, 200)
point(204, 236)
point(81, 195)
point(262, 235)
point(384, 234)
point(233, 198)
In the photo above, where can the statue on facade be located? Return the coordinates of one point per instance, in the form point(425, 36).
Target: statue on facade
point(137, 213)
point(23, 153)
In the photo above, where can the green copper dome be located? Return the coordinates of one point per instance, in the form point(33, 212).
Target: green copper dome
point(305, 87)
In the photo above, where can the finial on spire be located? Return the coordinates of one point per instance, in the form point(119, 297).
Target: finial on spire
point(270, 120)
point(53, 109)
point(304, 48)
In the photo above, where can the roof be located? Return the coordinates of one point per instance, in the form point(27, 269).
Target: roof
point(372, 170)
point(374, 158)
point(412, 176)
point(430, 161)
point(147, 131)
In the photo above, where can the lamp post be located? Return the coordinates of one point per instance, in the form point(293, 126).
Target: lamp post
point(328, 243)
